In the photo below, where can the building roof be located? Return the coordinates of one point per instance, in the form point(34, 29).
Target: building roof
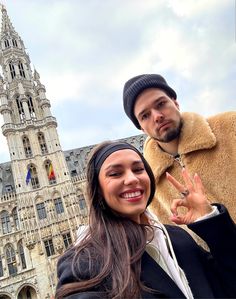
point(76, 160)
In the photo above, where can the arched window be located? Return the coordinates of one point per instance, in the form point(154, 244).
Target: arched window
point(42, 143)
point(82, 203)
point(31, 106)
point(14, 42)
point(50, 172)
point(12, 70)
point(27, 147)
point(41, 210)
point(6, 223)
point(6, 42)
point(21, 69)
point(32, 176)
point(21, 255)
point(11, 259)
point(20, 108)
point(15, 218)
point(58, 205)
point(28, 294)
point(1, 267)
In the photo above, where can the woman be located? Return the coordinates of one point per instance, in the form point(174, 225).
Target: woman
point(127, 253)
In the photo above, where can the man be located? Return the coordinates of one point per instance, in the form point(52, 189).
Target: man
point(175, 140)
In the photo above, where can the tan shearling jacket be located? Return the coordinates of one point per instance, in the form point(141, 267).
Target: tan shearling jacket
point(206, 147)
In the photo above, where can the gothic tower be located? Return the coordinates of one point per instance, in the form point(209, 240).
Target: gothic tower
point(48, 209)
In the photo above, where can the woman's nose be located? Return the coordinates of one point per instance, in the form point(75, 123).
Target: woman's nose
point(130, 178)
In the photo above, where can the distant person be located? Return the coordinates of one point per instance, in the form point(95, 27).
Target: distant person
point(176, 140)
point(128, 253)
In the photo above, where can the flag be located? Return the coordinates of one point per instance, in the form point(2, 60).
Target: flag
point(28, 177)
point(51, 174)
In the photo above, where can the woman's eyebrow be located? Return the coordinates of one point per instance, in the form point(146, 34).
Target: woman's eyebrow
point(121, 165)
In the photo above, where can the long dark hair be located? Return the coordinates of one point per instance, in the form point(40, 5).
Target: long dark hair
point(108, 259)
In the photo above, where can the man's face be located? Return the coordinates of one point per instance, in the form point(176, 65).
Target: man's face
point(158, 115)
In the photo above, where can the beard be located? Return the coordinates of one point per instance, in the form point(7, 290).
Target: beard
point(170, 134)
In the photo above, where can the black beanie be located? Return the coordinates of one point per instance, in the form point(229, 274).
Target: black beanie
point(136, 85)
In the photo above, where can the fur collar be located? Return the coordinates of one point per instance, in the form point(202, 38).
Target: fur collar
point(196, 134)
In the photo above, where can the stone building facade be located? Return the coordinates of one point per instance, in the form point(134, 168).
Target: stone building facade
point(42, 196)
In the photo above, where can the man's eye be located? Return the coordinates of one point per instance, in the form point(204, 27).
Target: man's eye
point(139, 169)
point(160, 104)
point(144, 116)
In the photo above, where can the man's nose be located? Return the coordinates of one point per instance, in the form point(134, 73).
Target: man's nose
point(157, 115)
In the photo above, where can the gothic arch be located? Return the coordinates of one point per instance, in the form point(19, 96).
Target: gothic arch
point(42, 143)
point(33, 176)
point(10, 256)
point(5, 295)
point(30, 104)
point(15, 217)
point(21, 254)
point(27, 146)
point(23, 289)
point(5, 222)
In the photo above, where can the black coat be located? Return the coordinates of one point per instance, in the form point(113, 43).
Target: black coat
point(210, 275)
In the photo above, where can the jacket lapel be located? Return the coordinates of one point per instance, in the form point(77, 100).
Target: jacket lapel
point(154, 277)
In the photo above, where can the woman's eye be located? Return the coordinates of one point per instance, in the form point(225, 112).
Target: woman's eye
point(114, 174)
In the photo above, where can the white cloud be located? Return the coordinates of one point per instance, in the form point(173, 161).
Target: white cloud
point(84, 52)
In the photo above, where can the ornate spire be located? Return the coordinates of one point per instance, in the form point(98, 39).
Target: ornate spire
point(7, 26)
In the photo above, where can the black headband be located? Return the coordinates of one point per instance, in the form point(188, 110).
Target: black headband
point(108, 150)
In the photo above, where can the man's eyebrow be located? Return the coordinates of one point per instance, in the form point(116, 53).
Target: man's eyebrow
point(156, 101)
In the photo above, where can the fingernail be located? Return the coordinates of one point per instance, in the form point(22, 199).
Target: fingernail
point(167, 174)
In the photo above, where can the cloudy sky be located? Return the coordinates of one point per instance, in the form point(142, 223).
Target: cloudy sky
point(84, 52)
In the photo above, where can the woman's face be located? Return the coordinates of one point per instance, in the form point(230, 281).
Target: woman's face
point(125, 184)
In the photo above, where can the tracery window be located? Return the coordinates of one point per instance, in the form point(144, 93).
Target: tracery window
point(82, 203)
point(41, 210)
point(33, 177)
point(6, 42)
point(21, 255)
point(20, 108)
point(42, 143)
point(49, 247)
point(58, 205)
point(12, 70)
point(31, 106)
point(14, 42)
point(21, 69)
point(6, 223)
point(67, 239)
point(11, 259)
point(1, 267)
point(15, 218)
point(27, 147)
